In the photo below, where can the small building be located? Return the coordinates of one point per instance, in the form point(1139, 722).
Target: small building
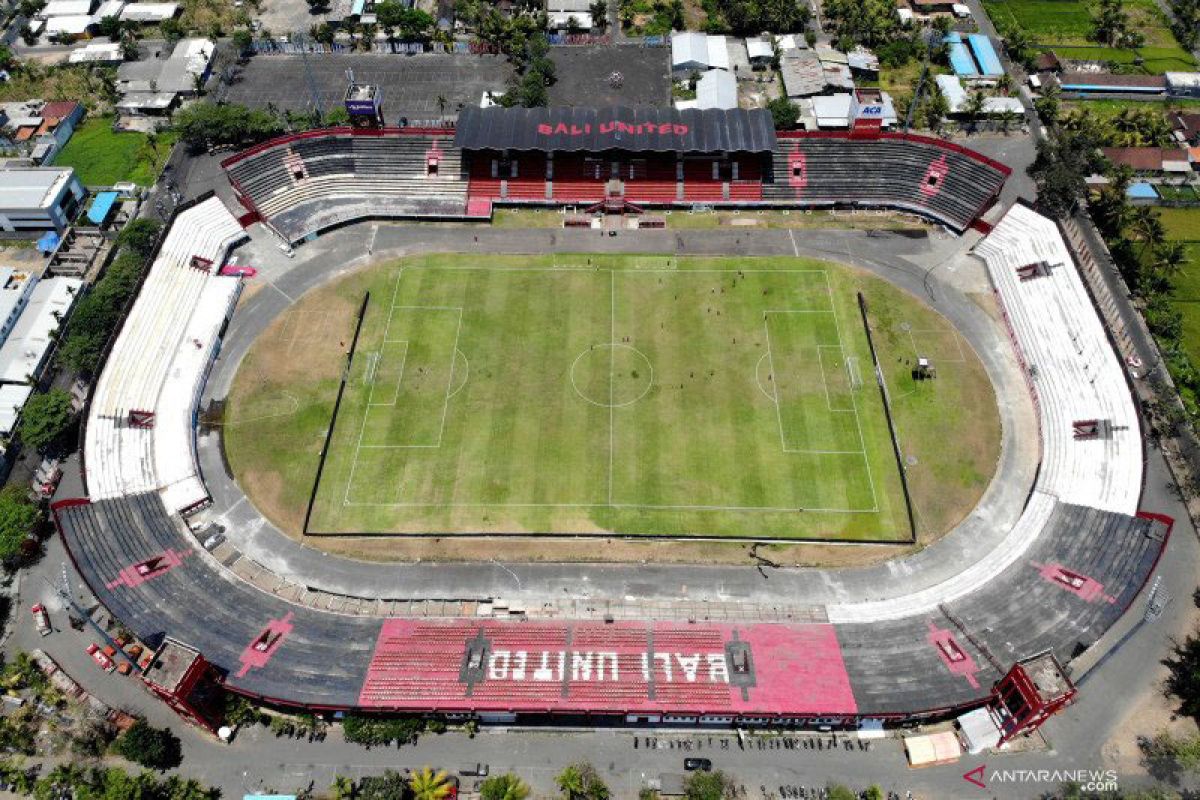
point(184, 679)
point(905, 15)
point(38, 199)
point(716, 89)
point(928, 7)
point(957, 96)
point(1047, 61)
point(759, 51)
point(1141, 193)
point(1186, 126)
point(835, 111)
point(985, 55)
point(874, 108)
point(66, 27)
point(23, 356)
point(960, 57)
point(698, 52)
point(1150, 160)
point(802, 73)
point(148, 13)
point(97, 53)
point(1183, 84)
point(66, 8)
point(13, 397)
point(39, 130)
point(1101, 83)
point(863, 63)
point(790, 42)
point(560, 13)
point(16, 287)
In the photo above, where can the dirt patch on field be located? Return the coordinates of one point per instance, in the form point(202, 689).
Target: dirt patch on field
point(269, 498)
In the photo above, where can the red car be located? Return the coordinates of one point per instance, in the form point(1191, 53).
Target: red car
point(98, 656)
point(41, 619)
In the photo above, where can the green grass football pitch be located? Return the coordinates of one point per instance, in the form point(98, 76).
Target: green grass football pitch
point(636, 398)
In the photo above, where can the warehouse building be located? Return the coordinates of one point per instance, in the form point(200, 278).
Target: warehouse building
point(36, 199)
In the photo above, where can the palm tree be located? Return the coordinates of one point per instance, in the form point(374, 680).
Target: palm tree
point(429, 785)
point(504, 787)
point(342, 788)
point(1147, 227)
point(571, 783)
point(973, 109)
point(1169, 259)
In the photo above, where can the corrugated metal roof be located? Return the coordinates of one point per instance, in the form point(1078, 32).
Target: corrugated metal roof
point(615, 128)
point(985, 55)
point(99, 210)
point(960, 59)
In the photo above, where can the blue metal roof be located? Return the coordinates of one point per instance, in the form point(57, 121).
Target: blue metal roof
point(1093, 87)
point(48, 242)
point(960, 58)
point(985, 55)
point(1141, 191)
point(101, 206)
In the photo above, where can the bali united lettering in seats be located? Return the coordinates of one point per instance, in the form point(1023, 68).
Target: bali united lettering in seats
point(621, 667)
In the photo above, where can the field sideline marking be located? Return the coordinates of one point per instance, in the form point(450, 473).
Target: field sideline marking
point(857, 422)
point(363, 428)
point(762, 509)
point(612, 356)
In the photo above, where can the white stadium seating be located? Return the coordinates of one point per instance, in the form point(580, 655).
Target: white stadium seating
point(1073, 374)
point(158, 362)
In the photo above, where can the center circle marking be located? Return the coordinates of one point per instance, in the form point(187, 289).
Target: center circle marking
point(597, 373)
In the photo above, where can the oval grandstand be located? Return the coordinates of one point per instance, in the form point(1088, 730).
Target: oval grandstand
point(309, 182)
point(1075, 559)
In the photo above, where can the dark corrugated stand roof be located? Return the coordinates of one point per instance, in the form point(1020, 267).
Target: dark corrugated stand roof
point(660, 130)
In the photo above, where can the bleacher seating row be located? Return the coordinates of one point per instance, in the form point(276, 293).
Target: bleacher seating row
point(292, 181)
point(157, 365)
point(924, 176)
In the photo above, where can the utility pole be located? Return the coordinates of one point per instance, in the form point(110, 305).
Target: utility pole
point(301, 40)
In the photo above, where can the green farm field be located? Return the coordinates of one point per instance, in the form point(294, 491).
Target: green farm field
point(1065, 24)
point(641, 396)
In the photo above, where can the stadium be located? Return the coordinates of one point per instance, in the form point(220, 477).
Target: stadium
point(992, 615)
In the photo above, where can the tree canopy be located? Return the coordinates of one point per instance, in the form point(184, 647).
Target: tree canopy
point(579, 781)
point(371, 731)
point(784, 113)
point(45, 419)
point(706, 786)
point(19, 520)
point(866, 22)
point(140, 235)
point(751, 17)
point(155, 748)
point(205, 125)
point(503, 787)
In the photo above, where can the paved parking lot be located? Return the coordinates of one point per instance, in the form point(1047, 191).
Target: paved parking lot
point(585, 76)
point(411, 84)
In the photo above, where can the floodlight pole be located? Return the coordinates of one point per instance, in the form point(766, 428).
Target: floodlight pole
point(301, 39)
